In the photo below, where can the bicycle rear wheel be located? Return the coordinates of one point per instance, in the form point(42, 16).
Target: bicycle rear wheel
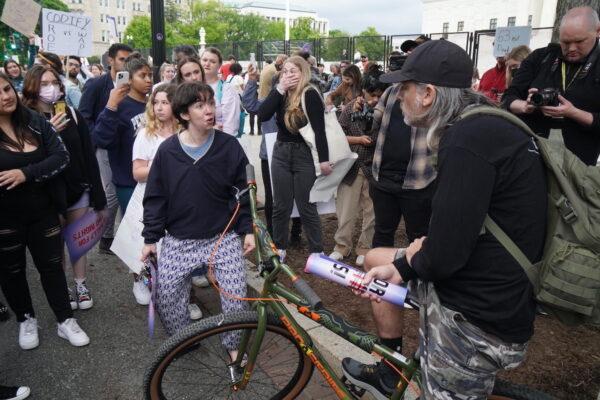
point(193, 364)
point(504, 390)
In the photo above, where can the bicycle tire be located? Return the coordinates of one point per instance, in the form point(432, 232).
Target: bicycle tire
point(202, 339)
point(504, 390)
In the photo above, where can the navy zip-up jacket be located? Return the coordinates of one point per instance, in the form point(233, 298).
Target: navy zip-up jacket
point(115, 131)
point(94, 98)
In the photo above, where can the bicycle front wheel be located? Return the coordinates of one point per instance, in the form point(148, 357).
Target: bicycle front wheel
point(193, 364)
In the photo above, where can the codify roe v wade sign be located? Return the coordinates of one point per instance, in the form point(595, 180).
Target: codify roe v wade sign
point(67, 33)
point(507, 38)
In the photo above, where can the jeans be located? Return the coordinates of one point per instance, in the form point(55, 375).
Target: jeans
point(414, 205)
point(293, 175)
point(41, 234)
point(296, 229)
point(109, 188)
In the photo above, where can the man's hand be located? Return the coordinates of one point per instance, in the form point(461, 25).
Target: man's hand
point(414, 248)
point(326, 167)
point(249, 243)
point(565, 109)
point(148, 250)
point(387, 272)
point(252, 73)
point(12, 178)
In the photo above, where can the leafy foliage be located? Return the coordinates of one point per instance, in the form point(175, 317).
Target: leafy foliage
point(371, 43)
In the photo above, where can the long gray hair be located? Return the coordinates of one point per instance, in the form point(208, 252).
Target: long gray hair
point(448, 104)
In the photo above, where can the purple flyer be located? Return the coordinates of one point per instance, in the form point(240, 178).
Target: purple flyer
point(83, 234)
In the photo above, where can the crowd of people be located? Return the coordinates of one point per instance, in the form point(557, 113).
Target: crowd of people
point(166, 156)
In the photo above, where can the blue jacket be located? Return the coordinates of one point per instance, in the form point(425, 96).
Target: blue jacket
point(252, 104)
point(94, 98)
point(115, 131)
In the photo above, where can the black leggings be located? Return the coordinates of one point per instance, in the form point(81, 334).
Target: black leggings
point(42, 236)
point(414, 205)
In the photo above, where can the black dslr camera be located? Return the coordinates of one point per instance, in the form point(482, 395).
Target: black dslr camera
point(366, 114)
point(546, 97)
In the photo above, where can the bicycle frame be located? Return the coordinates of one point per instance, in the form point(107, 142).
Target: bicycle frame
point(308, 304)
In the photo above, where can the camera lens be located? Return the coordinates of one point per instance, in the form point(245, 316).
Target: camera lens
point(537, 99)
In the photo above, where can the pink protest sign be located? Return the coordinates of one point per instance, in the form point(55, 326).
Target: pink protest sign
point(83, 234)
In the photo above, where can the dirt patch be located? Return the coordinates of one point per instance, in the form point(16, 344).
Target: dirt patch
point(561, 361)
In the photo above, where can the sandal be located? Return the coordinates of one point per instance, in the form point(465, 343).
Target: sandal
point(4, 314)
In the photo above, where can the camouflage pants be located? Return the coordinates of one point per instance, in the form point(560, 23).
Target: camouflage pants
point(458, 360)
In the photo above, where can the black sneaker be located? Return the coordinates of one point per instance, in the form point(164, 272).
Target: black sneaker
point(104, 246)
point(14, 393)
point(368, 377)
point(4, 314)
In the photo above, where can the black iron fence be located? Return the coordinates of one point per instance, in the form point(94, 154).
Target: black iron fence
point(478, 44)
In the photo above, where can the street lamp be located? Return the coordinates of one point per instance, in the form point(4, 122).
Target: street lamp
point(202, 34)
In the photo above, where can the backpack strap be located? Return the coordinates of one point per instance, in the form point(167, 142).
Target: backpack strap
point(512, 248)
point(498, 112)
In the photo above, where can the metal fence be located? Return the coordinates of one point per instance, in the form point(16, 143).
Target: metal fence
point(478, 44)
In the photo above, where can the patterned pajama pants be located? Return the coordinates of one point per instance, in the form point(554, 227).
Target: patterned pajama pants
point(178, 259)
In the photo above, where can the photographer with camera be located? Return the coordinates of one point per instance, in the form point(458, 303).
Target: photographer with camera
point(556, 87)
point(353, 191)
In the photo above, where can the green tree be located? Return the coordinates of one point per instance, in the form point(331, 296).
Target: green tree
point(304, 29)
point(371, 43)
point(336, 47)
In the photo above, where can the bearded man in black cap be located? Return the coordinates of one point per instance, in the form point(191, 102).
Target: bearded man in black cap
point(476, 302)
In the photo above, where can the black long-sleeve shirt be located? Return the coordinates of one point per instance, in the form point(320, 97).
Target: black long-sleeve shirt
point(195, 200)
point(276, 103)
point(486, 166)
point(543, 69)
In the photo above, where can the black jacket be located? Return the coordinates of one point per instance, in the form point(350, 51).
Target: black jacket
point(541, 70)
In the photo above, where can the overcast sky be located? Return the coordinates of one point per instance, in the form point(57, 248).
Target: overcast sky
point(388, 16)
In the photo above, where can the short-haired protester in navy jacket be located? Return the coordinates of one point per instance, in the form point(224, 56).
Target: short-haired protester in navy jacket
point(189, 200)
point(117, 125)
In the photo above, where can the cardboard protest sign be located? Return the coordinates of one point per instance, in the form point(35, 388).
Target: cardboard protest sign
point(21, 15)
point(508, 38)
point(83, 234)
point(67, 33)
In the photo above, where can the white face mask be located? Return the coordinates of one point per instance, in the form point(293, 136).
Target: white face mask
point(49, 94)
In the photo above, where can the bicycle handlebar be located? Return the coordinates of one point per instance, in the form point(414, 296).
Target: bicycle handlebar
point(308, 293)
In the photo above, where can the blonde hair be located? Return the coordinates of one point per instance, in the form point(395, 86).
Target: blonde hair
point(294, 117)
point(153, 125)
point(519, 53)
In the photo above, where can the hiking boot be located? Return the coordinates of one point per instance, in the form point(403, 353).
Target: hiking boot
point(28, 333)
point(14, 392)
point(70, 330)
point(369, 377)
point(84, 299)
point(104, 246)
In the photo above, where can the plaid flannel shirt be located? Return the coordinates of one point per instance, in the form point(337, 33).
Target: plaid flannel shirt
point(365, 153)
point(420, 171)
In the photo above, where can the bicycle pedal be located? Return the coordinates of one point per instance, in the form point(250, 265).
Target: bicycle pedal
point(358, 392)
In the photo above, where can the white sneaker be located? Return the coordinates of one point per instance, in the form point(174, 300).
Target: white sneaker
point(71, 331)
point(336, 255)
point(141, 293)
point(195, 311)
point(200, 281)
point(360, 260)
point(282, 254)
point(14, 393)
point(28, 333)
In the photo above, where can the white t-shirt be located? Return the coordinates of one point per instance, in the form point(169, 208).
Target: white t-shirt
point(145, 146)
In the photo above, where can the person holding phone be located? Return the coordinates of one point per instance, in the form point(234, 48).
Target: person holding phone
point(43, 91)
point(32, 156)
point(118, 124)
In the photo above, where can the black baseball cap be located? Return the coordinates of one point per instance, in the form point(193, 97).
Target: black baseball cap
point(408, 45)
point(438, 62)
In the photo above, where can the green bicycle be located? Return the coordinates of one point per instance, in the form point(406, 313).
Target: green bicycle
point(276, 356)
